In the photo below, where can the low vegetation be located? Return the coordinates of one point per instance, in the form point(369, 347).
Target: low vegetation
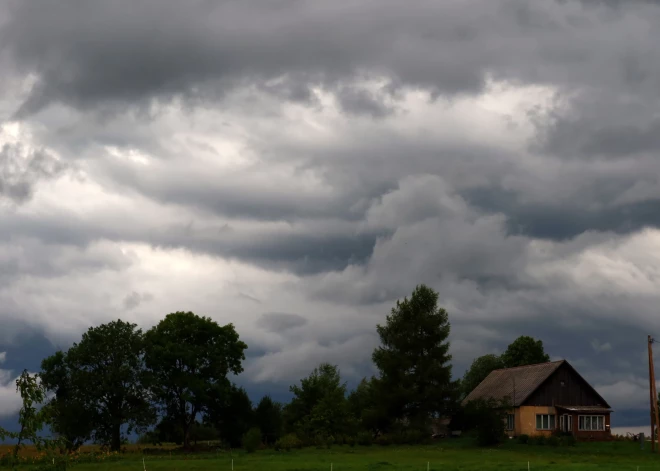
point(446, 455)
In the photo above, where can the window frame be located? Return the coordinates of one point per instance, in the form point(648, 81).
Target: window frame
point(551, 422)
point(599, 419)
point(510, 422)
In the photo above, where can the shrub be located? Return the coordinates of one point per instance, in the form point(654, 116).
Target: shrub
point(288, 442)
point(568, 440)
point(553, 440)
point(383, 440)
point(490, 428)
point(539, 440)
point(523, 439)
point(364, 439)
point(252, 439)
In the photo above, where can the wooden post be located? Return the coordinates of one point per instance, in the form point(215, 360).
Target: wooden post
point(652, 397)
point(655, 395)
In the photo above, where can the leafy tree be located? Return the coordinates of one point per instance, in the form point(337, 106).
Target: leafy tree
point(319, 408)
point(366, 405)
point(189, 358)
point(480, 368)
point(67, 413)
point(524, 350)
point(231, 414)
point(252, 439)
point(102, 379)
point(413, 358)
point(268, 417)
point(31, 419)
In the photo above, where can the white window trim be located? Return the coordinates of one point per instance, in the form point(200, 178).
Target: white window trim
point(581, 429)
point(550, 427)
point(513, 422)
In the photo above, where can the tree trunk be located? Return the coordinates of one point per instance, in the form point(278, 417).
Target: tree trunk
point(115, 443)
point(186, 435)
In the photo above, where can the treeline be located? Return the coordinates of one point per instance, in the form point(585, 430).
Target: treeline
point(171, 384)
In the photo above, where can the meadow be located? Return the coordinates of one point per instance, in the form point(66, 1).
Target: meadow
point(449, 455)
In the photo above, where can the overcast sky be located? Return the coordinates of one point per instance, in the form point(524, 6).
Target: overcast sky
point(294, 167)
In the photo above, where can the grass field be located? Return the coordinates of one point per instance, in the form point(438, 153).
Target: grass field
point(446, 456)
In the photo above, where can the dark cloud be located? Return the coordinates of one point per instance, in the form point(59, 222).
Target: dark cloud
point(134, 299)
point(130, 52)
point(503, 152)
point(278, 322)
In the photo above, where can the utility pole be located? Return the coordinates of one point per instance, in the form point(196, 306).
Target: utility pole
point(655, 419)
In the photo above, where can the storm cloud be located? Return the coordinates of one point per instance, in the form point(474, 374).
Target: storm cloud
point(295, 168)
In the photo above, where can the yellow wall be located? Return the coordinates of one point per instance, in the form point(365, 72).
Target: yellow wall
point(526, 420)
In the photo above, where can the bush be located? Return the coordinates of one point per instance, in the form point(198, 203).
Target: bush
point(553, 440)
point(364, 439)
point(490, 429)
point(288, 442)
point(568, 440)
point(538, 440)
point(523, 439)
point(252, 439)
point(383, 440)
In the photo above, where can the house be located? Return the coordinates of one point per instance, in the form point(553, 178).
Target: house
point(547, 397)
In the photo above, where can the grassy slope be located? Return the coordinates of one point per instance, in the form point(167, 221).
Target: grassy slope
point(445, 456)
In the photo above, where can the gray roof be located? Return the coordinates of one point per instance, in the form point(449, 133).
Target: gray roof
point(499, 384)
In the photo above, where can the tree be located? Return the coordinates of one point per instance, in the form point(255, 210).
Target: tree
point(365, 404)
point(31, 419)
point(67, 414)
point(268, 417)
point(231, 414)
point(102, 379)
point(523, 351)
point(319, 408)
point(189, 358)
point(413, 358)
point(480, 368)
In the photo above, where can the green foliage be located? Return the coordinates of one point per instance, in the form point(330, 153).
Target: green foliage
point(523, 439)
point(366, 405)
point(189, 358)
point(553, 440)
point(383, 440)
point(538, 440)
point(319, 406)
point(480, 368)
point(31, 418)
point(568, 440)
point(231, 414)
point(524, 350)
point(99, 385)
point(365, 439)
point(288, 442)
point(252, 440)
point(268, 417)
point(414, 360)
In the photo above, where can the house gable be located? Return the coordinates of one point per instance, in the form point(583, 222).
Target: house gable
point(565, 387)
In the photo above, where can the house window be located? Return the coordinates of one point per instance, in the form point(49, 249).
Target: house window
point(545, 422)
point(510, 424)
point(591, 422)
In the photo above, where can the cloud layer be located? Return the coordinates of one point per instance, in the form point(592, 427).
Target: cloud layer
point(294, 168)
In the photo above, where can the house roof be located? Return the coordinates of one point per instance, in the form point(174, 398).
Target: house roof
point(591, 409)
point(500, 384)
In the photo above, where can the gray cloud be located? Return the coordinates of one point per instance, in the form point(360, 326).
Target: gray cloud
point(134, 299)
point(21, 170)
point(325, 158)
point(126, 52)
point(277, 322)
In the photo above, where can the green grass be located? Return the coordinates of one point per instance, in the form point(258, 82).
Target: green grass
point(450, 455)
